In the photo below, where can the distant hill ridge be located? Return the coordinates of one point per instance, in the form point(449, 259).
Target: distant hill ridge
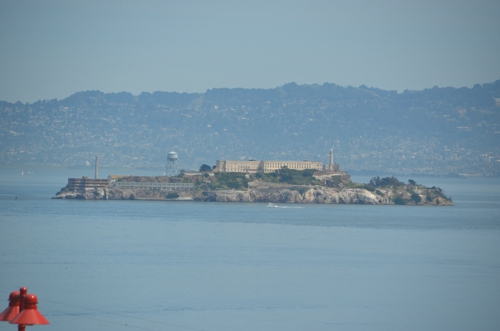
point(433, 131)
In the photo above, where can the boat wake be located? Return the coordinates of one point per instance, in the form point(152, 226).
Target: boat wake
point(272, 205)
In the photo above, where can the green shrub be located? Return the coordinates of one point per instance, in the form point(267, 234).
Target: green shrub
point(233, 185)
point(386, 181)
point(439, 192)
point(303, 190)
point(172, 195)
point(415, 197)
point(307, 172)
point(205, 167)
point(336, 179)
point(369, 188)
point(399, 201)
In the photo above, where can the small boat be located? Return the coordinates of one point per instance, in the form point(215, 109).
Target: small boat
point(270, 204)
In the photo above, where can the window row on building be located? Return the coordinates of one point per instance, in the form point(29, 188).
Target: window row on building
point(154, 185)
point(85, 182)
point(264, 166)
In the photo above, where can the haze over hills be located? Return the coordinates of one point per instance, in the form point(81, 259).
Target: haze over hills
point(434, 131)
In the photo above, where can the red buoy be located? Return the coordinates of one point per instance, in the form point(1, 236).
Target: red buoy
point(30, 314)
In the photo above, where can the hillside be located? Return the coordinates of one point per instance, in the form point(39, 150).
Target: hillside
point(434, 131)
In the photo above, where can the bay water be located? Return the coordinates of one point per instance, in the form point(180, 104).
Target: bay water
point(146, 265)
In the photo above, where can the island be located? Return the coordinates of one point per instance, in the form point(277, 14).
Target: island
point(283, 185)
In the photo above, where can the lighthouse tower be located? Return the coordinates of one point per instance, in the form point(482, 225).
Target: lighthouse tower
point(331, 165)
point(96, 168)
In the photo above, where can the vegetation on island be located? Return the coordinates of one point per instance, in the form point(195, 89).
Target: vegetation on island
point(172, 195)
point(389, 187)
point(431, 193)
point(205, 167)
point(240, 180)
point(290, 176)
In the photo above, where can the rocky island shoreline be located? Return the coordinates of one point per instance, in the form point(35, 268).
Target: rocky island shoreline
point(284, 186)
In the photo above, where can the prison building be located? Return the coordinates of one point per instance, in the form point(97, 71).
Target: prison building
point(253, 166)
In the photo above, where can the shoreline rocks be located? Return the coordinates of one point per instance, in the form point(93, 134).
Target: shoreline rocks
point(291, 194)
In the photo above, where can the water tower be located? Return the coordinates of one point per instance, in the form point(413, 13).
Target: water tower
point(172, 169)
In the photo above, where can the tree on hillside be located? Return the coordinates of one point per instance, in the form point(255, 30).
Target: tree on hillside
point(205, 167)
point(386, 181)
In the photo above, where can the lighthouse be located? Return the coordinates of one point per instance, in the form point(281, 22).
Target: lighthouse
point(331, 165)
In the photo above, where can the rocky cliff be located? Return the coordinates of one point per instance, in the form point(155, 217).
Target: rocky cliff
point(284, 194)
point(324, 195)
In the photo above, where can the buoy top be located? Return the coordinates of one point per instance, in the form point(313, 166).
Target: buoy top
point(30, 301)
point(14, 298)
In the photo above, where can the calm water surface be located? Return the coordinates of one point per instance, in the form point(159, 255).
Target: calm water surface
point(139, 265)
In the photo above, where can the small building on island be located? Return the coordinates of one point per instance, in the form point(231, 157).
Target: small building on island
point(81, 184)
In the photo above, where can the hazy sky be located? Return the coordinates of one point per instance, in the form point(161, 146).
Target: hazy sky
point(52, 49)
